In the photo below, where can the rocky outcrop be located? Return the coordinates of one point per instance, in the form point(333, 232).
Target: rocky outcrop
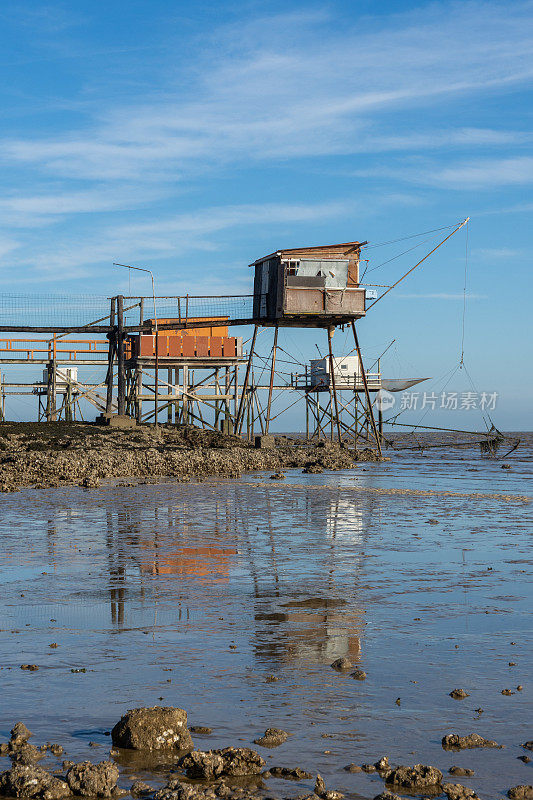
point(341, 664)
point(231, 761)
point(93, 780)
point(272, 737)
point(295, 774)
point(455, 742)
point(153, 729)
point(521, 792)
point(455, 791)
point(24, 780)
point(84, 454)
point(417, 777)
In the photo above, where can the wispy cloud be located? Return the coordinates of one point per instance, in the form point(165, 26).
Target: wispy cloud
point(34, 210)
point(442, 296)
point(497, 253)
point(485, 173)
point(293, 86)
point(271, 90)
point(464, 174)
point(177, 234)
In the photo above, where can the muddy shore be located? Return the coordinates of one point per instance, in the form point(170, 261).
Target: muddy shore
point(323, 621)
point(44, 455)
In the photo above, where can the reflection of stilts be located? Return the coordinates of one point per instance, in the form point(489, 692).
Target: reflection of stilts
point(116, 573)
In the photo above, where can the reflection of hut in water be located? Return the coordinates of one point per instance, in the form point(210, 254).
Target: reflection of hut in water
point(209, 563)
point(313, 630)
point(158, 543)
point(315, 620)
point(345, 522)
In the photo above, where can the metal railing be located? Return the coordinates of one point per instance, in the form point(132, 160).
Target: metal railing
point(312, 382)
point(55, 349)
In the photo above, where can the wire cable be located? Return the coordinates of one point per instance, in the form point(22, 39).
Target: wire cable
point(412, 236)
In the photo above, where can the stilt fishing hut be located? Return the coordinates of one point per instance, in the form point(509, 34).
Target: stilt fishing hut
point(309, 285)
point(312, 287)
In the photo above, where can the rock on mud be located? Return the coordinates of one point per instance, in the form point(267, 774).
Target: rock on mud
point(521, 792)
point(26, 754)
point(321, 791)
point(296, 774)
point(156, 728)
point(209, 764)
point(93, 780)
point(176, 790)
point(417, 777)
point(24, 780)
point(19, 735)
point(205, 765)
point(138, 788)
point(342, 664)
point(239, 761)
point(462, 772)
point(455, 791)
point(459, 694)
point(454, 741)
point(272, 737)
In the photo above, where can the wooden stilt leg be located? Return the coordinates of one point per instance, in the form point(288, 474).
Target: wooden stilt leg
point(333, 386)
point(272, 372)
point(367, 393)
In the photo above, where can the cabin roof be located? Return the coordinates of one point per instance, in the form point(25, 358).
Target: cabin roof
point(324, 251)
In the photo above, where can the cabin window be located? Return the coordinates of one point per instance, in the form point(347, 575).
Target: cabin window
point(292, 267)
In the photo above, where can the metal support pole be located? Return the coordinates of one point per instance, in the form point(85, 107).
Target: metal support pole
point(68, 403)
point(110, 358)
point(138, 393)
point(271, 385)
point(332, 384)
point(235, 394)
point(175, 391)
point(51, 391)
point(156, 367)
point(367, 393)
point(171, 390)
point(185, 394)
point(217, 402)
point(121, 380)
point(240, 413)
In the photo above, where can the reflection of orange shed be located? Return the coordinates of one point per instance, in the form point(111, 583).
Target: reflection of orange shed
point(211, 563)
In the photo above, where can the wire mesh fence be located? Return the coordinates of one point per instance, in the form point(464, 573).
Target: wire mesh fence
point(187, 307)
point(49, 309)
point(62, 310)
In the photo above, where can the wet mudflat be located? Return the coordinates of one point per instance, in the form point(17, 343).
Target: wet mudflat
point(231, 598)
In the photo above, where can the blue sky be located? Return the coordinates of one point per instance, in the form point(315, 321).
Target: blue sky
point(196, 139)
